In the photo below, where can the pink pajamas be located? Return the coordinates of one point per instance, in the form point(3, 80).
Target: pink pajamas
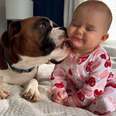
point(88, 80)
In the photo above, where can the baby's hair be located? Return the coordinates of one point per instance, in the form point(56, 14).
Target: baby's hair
point(99, 6)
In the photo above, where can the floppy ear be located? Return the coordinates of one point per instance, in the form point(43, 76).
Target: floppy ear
point(7, 36)
point(4, 39)
point(14, 28)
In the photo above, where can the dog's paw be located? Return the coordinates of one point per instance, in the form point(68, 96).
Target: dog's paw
point(3, 93)
point(31, 92)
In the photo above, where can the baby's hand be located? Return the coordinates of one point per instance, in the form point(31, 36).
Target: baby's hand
point(56, 96)
point(69, 102)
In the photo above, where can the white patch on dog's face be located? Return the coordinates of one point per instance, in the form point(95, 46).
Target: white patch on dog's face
point(57, 34)
point(51, 23)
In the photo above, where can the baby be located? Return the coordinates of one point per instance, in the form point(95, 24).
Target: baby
point(84, 79)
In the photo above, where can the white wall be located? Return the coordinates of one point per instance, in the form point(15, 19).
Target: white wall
point(26, 7)
point(112, 31)
point(3, 24)
point(18, 9)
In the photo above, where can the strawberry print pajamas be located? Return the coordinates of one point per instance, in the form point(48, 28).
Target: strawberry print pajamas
point(88, 80)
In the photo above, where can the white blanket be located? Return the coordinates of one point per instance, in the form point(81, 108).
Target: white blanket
point(15, 105)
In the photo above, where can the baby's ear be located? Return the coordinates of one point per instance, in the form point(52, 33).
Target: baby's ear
point(105, 37)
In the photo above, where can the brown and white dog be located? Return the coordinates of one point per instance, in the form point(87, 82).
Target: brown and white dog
point(27, 44)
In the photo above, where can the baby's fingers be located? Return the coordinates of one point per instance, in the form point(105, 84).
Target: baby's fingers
point(60, 94)
point(57, 99)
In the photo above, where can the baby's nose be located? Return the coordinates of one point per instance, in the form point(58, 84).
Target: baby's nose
point(80, 30)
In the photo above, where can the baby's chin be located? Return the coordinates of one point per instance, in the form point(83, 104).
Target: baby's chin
point(76, 46)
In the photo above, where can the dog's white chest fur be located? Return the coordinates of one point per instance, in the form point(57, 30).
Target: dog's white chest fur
point(12, 77)
point(9, 76)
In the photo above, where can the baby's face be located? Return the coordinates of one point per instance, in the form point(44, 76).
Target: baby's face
point(86, 30)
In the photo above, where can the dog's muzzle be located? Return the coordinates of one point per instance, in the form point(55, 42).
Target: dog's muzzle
point(67, 44)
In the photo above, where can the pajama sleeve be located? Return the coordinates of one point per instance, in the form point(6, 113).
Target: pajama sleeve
point(58, 81)
point(99, 70)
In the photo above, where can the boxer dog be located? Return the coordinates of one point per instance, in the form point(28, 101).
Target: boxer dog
point(23, 47)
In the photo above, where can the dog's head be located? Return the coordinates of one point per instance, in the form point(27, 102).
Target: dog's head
point(34, 37)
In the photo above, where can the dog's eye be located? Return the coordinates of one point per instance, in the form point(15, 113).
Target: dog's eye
point(43, 26)
point(44, 23)
point(55, 25)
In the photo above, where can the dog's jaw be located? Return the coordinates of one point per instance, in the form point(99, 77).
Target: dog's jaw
point(59, 54)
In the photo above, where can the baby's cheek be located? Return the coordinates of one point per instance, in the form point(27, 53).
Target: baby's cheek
point(70, 31)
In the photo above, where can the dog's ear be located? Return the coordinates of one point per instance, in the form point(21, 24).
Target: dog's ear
point(14, 28)
point(4, 39)
point(7, 36)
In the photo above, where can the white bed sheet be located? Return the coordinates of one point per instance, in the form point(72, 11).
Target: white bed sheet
point(15, 105)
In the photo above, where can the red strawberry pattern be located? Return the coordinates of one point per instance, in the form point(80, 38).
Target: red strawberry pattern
point(52, 77)
point(107, 64)
point(111, 85)
point(103, 56)
point(111, 75)
point(89, 66)
point(59, 85)
point(80, 96)
point(82, 59)
point(97, 92)
point(70, 72)
point(91, 81)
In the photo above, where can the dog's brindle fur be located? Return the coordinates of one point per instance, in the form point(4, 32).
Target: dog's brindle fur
point(27, 40)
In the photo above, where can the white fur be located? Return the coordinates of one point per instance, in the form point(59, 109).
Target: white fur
point(31, 92)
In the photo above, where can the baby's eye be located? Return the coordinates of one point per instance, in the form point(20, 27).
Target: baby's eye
point(78, 26)
point(89, 29)
point(75, 25)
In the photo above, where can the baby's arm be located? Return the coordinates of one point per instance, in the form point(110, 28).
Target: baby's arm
point(58, 84)
point(94, 85)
